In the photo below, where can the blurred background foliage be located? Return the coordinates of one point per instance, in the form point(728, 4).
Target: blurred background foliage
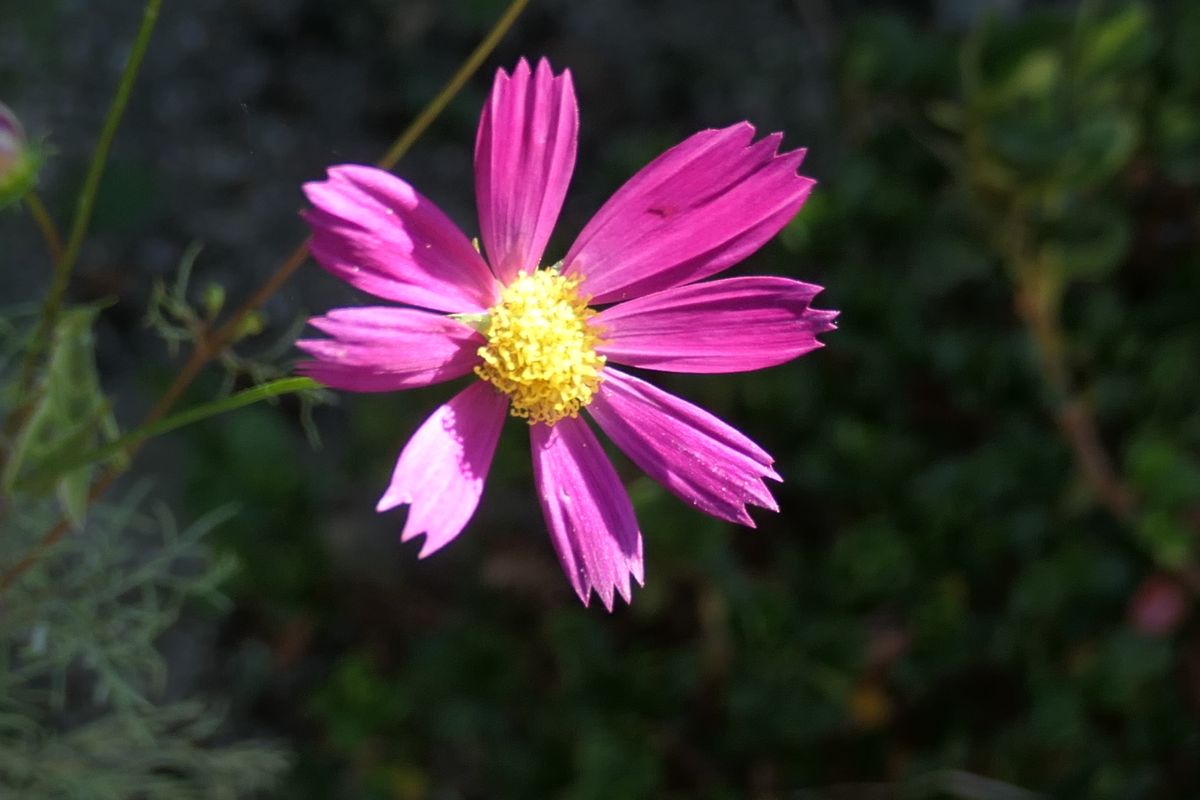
point(982, 580)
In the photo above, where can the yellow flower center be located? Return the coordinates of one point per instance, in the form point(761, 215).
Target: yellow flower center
point(541, 348)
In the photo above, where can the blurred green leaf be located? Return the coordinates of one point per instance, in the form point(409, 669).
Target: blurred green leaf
point(1170, 542)
point(1033, 76)
point(1163, 474)
point(71, 413)
point(1125, 667)
point(1101, 147)
point(213, 300)
point(870, 562)
point(1086, 242)
point(1007, 66)
point(1114, 44)
point(1183, 42)
point(74, 460)
point(251, 325)
point(1033, 143)
point(1177, 137)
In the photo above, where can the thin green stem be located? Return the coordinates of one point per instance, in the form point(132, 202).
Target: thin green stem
point(130, 442)
point(1071, 411)
point(453, 86)
point(207, 348)
point(1038, 298)
point(45, 223)
point(65, 264)
point(73, 461)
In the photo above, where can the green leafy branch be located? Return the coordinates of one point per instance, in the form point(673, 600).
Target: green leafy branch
point(212, 343)
point(69, 254)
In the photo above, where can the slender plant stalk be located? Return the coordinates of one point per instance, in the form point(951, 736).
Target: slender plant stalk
point(131, 441)
point(48, 474)
point(66, 256)
point(210, 346)
point(1071, 412)
point(64, 265)
point(1038, 299)
point(52, 536)
point(45, 223)
point(453, 86)
point(1078, 425)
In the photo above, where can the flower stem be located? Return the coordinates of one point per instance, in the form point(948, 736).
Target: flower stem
point(130, 441)
point(64, 265)
point(1038, 291)
point(1071, 411)
point(55, 468)
point(210, 346)
point(65, 257)
point(45, 223)
point(453, 86)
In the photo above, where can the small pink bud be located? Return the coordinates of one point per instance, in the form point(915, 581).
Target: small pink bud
point(1158, 605)
point(18, 161)
point(12, 139)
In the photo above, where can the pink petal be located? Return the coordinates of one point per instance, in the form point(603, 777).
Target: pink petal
point(375, 232)
point(699, 458)
point(524, 155)
point(700, 207)
point(385, 349)
point(442, 468)
point(588, 512)
point(730, 325)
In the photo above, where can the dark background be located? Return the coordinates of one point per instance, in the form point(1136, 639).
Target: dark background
point(942, 597)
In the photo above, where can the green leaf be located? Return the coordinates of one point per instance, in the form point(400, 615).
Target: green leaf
point(1126, 665)
point(116, 447)
point(1184, 43)
point(1086, 242)
point(870, 562)
point(946, 115)
point(1116, 44)
point(1162, 473)
point(214, 299)
point(70, 414)
point(1100, 148)
point(1177, 138)
point(1168, 540)
point(251, 325)
point(1035, 75)
point(1035, 144)
point(1009, 65)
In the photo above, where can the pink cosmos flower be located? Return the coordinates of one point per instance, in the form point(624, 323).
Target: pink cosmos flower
point(542, 339)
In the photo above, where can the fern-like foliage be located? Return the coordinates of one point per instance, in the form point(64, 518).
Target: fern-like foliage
point(84, 707)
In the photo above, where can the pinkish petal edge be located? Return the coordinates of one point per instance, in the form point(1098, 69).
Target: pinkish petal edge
point(700, 207)
point(524, 157)
point(374, 231)
point(442, 469)
point(588, 512)
point(387, 349)
point(705, 462)
point(730, 325)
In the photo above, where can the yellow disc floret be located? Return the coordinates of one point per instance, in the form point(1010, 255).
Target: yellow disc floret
point(541, 347)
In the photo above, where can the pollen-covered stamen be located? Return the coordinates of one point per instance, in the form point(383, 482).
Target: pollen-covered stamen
point(541, 348)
